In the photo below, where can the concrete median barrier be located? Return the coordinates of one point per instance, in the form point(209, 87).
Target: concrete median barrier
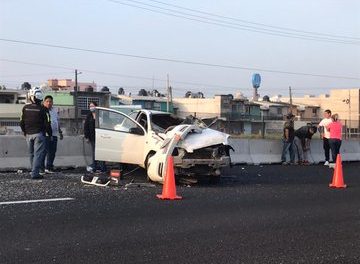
point(350, 150)
point(316, 151)
point(265, 151)
point(14, 153)
point(241, 153)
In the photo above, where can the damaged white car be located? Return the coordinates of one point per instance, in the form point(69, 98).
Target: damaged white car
point(146, 138)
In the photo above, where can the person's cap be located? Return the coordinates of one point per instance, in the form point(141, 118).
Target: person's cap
point(314, 128)
point(289, 115)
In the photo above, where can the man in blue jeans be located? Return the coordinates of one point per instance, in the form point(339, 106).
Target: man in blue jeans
point(288, 140)
point(35, 124)
point(51, 141)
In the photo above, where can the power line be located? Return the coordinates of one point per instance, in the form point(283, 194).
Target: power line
point(232, 25)
point(119, 75)
point(38, 64)
point(254, 23)
point(176, 60)
point(33, 74)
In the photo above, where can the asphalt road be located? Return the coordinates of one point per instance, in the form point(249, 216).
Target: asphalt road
point(256, 214)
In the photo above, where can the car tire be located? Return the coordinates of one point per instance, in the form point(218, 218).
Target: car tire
point(214, 179)
point(147, 165)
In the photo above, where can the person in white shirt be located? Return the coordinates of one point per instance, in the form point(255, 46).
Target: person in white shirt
point(325, 134)
point(51, 142)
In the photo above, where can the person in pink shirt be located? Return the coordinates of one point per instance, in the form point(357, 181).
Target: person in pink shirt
point(335, 128)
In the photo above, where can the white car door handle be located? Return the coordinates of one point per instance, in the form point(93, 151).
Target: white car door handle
point(105, 136)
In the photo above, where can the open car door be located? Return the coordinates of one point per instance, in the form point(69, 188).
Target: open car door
point(118, 138)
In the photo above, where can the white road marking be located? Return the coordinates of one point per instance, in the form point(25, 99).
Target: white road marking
point(37, 201)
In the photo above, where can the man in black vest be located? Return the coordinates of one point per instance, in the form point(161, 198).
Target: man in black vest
point(35, 124)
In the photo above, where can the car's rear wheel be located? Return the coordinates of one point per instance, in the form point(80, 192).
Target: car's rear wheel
point(214, 179)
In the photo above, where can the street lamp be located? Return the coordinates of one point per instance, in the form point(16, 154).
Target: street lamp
point(348, 102)
point(76, 100)
point(264, 111)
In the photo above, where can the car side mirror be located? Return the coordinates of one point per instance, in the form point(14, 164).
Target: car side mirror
point(136, 131)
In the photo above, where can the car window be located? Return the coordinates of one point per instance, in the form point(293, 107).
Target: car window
point(163, 121)
point(142, 119)
point(115, 121)
point(133, 114)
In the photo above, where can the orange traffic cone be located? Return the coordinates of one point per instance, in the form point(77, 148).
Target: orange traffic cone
point(169, 188)
point(338, 180)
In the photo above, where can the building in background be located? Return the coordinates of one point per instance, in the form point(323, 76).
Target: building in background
point(69, 84)
point(12, 102)
point(12, 96)
point(345, 102)
point(145, 102)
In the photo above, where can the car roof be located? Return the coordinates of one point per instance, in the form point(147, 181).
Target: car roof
point(152, 111)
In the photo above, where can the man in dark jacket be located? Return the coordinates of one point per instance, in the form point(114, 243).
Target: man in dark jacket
point(302, 140)
point(35, 124)
point(89, 135)
point(288, 140)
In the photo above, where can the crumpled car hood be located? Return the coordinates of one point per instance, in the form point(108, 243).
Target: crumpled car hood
point(200, 138)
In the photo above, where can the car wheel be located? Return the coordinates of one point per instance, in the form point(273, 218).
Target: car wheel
point(214, 179)
point(147, 163)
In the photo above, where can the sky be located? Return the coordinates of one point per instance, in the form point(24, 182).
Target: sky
point(210, 46)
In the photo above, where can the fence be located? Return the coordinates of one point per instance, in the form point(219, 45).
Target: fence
point(245, 126)
point(266, 126)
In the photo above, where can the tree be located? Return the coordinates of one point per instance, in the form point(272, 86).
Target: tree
point(188, 94)
point(105, 89)
point(121, 91)
point(26, 86)
point(143, 92)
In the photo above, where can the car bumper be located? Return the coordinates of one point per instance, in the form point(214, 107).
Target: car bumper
point(212, 163)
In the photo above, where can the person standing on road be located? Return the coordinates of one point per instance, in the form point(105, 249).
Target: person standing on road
point(325, 134)
point(288, 140)
point(35, 124)
point(335, 128)
point(51, 141)
point(302, 141)
point(89, 134)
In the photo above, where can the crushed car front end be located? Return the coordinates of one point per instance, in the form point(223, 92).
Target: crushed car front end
point(203, 152)
point(197, 152)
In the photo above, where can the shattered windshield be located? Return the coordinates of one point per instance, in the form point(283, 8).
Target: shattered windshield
point(160, 122)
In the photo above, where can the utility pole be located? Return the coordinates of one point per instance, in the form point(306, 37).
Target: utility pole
point(171, 96)
point(291, 104)
point(75, 101)
point(153, 82)
point(349, 115)
point(348, 124)
point(168, 94)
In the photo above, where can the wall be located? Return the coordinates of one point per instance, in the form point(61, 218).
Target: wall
point(11, 110)
point(14, 153)
point(71, 150)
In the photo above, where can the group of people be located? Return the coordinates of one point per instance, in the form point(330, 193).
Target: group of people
point(330, 129)
point(40, 125)
point(297, 142)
